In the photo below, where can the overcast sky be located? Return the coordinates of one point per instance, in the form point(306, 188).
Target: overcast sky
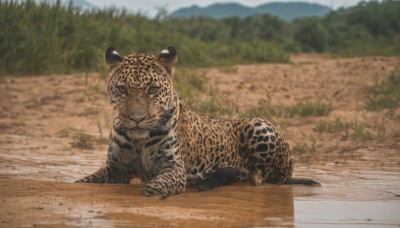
point(149, 6)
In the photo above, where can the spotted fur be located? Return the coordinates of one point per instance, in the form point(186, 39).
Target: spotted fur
point(155, 137)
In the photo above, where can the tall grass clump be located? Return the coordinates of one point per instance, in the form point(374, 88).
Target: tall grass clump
point(192, 86)
point(188, 83)
point(385, 95)
point(309, 108)
point(44, 38)
point(264, 109)
point(331, 127)
point(82, 140)
point(303, 109)
point(357, 130)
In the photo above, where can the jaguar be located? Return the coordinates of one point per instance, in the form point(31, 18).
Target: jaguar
point(157, 138)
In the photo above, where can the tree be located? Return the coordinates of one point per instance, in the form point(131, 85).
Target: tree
point(311, 34)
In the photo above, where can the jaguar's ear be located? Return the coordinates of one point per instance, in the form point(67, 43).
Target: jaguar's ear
point(112, 58)
point(167, 58)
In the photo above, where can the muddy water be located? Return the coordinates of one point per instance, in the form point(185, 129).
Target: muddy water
point(36, 188)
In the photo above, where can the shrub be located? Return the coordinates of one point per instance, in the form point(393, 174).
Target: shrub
point(385, 95)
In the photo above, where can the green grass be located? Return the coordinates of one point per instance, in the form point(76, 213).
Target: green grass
point(360, 131)
point(302, 109)
point(211, 106)
point(264, 109)
point(82, 140)
point(65, 132)
point(339, 125)
point(228, 70)
point(309, 108)
point(216, 105)
point(192, 86)
point(43, 38)
point(381, 128)
point(385, 95)
point(356, 130)
point(305, 147)
point(99, 88)
point(189, 82)
point(379, 46)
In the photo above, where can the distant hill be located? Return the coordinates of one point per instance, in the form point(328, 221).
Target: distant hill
point(286, 11)
point(83, 4)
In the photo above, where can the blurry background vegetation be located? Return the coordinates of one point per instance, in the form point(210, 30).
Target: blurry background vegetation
point(42, 38)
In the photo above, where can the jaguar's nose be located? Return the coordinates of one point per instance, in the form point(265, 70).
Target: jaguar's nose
point(137, 118)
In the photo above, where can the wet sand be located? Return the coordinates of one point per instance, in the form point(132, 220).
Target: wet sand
point(40, 116)
point(109, 205)
point(356, 201)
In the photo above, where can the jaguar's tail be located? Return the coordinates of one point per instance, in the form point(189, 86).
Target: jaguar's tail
point(221, 177)
point(302, 181)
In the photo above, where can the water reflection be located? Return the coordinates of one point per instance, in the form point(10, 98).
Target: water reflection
point(267, 206)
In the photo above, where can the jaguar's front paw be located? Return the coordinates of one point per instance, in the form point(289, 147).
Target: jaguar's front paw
point(150, 192)
point(84, 180)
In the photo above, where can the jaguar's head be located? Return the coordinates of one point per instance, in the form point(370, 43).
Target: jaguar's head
point(140, 88)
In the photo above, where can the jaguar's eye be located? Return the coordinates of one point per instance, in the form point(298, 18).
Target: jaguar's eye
point(152, 90)
point(122, 89)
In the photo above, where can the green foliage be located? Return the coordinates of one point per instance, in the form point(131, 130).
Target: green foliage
point(44, 38)
point(311, 34)
point(308, 108)
point(370, 28)
point(304, 148)
point(357, 130)
point(215, 104)
point(381, 128)
point(264, 109)
point(228, 70)
point(82, 141)
point(63, 133)
point(190, 84)
point(338, 125)
point(260, 27)
point(360, 131)
point(286, 11)
point(385, 95)
point(188, 80)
